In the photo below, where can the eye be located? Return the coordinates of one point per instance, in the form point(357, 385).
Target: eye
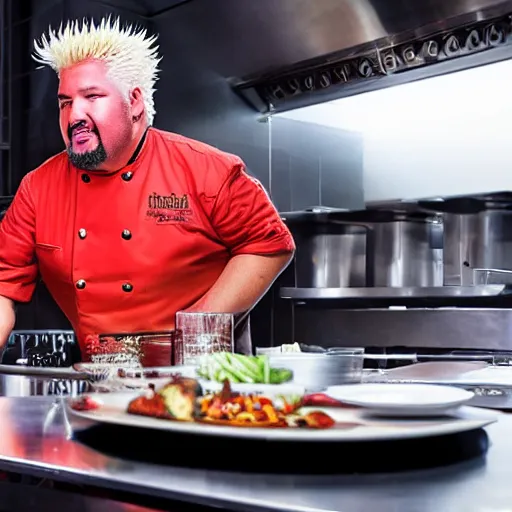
point(63, 104)
point(93, 96)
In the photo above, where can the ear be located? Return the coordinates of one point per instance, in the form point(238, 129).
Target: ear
point(136, 103)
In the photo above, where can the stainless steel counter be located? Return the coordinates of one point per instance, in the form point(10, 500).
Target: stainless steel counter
point(35, 439)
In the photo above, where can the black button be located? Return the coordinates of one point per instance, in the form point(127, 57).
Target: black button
point(126, 234)
point(82, 233)
point(80, 284)
point(127, 287)
point(86, 178)
point(127, 176)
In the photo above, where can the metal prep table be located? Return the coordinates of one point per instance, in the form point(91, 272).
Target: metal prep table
point(35, 440)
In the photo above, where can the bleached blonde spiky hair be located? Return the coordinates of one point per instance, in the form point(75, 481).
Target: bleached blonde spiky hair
point(131, 59)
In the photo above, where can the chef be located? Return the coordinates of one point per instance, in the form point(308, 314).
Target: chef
point(129, 224)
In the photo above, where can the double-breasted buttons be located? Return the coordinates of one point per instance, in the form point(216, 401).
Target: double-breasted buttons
point(127, 176)
point(126, 234)
point(127, 287)
point(82, 233)
point(80, 284)
point(86, 178)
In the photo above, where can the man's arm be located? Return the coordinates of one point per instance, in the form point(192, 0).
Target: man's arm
point(259, 242)
point(246, 278)
point(18, 266)
point(7, 319)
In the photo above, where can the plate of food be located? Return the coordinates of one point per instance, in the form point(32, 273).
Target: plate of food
point(181, 405)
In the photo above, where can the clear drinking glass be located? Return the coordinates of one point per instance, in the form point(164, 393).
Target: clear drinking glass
point(204, 333)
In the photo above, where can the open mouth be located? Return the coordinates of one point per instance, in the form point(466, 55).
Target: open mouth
point(82, 135)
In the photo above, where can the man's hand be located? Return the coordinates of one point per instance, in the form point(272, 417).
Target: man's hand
point(7, 319)
point(243, 282)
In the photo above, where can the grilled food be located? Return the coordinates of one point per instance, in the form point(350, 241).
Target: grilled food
point(177, 400)
point(182, 399)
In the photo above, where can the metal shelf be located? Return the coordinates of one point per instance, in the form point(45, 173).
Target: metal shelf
point(391, 293)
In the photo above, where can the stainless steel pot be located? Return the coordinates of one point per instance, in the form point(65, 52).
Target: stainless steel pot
point(477, 235)
point(408, 250)
point(331, 253)
point(340, 248)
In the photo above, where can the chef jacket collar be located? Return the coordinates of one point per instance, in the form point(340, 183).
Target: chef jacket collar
point(138, 148)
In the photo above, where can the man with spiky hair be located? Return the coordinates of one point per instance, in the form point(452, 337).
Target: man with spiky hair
point(131, 224)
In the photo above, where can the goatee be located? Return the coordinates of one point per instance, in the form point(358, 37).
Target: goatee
point(90, 160)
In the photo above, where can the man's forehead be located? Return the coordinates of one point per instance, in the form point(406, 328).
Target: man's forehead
point(84, 76)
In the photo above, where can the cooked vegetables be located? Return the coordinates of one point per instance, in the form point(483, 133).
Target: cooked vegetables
point(182, 400)
point(234, 409)
point(237, 368)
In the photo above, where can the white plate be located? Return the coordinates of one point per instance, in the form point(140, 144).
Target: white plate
point(112, 411)
point(402, 399)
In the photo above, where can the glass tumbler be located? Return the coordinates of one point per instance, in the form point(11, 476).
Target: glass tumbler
point(204, 333)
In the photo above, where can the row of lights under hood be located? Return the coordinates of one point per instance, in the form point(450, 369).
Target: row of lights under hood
point(381, 62)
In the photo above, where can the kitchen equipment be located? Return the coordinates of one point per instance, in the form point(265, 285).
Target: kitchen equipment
point(42, 348)
point(408, 249)
point(469, 309)
point(317, 371)
point(23, 381)
point(366, 248)
point(477, 234)
point(331, 251)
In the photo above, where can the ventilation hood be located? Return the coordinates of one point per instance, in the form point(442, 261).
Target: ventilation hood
point(320, 50)
point(283, 54)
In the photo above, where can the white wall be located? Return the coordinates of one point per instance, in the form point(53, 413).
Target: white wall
point(442, 136)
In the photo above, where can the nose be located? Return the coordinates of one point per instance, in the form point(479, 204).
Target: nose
point(78, 113)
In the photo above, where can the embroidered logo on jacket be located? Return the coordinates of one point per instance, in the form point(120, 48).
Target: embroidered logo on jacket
point(171, 208)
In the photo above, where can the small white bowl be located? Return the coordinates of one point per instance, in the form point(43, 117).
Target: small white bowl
point(317, 371)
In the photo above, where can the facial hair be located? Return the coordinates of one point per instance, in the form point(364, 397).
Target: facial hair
point(89, 160)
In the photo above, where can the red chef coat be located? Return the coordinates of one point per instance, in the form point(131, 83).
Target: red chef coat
point(124, 251)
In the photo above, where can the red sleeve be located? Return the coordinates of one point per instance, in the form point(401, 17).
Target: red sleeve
point(246, 220)
point(18, 267)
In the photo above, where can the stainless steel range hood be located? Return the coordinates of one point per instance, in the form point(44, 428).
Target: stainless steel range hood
point(283, 54)
point(289, 53)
